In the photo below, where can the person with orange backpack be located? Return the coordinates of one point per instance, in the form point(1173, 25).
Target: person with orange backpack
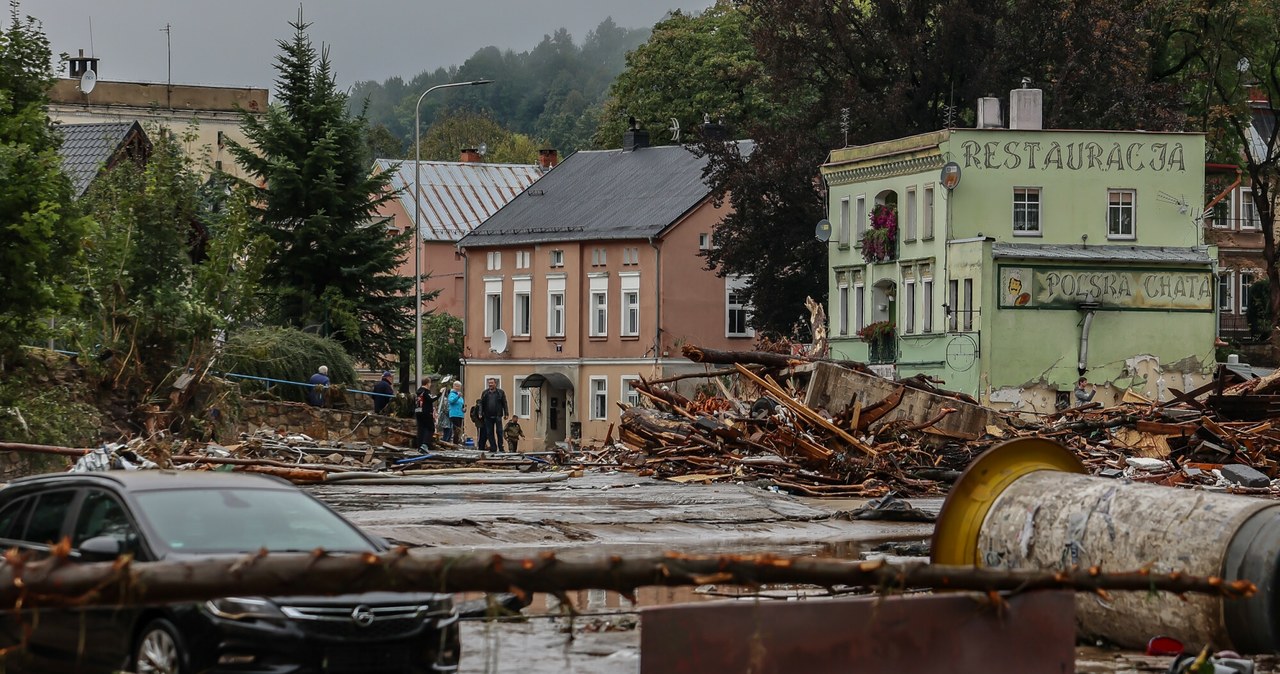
point(424, 412)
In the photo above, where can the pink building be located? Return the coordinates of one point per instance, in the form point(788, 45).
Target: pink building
point(592, 277)
point(453, 197)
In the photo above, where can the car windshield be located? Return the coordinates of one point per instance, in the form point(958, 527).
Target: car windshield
point(245, 520)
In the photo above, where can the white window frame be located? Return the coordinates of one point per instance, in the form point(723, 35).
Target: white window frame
point(492, 306)
point(629, 315)
point(926, 313)
point(1249, 219)
point(927, 230)
point(859, 307)
point(629, 395)
point(555, 310)
point(842, 303)
point(731, 284)
point(1227, 279)
point(599, 298)
point(522, 306)
point(494, 261)
point(860, 218)
point(524, 399)
point(704, 241)
point(908, 305)
point(1119, 210)
point(1022, 201)
point(557, 257)
point(845, 224)
point(1243, 301)
point(522, 259)
point(910, 229)
point(599, 387)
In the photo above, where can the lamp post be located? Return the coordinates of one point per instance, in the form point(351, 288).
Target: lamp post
point(417, 223)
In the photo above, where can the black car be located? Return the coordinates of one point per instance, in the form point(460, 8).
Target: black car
point(166, 515)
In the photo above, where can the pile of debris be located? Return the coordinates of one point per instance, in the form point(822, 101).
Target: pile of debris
point(825, 428)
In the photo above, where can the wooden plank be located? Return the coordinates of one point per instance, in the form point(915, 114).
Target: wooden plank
point(805, 412)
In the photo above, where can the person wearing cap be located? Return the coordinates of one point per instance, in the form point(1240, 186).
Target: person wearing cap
point(319, 381)
point(384, 387)
point(425, 413)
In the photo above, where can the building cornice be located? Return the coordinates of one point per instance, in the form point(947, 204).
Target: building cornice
point(845, 176)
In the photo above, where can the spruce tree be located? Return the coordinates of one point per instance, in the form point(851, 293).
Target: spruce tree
point(41, 229)
point(332, 266)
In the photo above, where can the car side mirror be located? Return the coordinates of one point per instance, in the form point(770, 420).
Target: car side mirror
point(100, 549)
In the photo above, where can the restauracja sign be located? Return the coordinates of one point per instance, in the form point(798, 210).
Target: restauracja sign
point(1066, 288)
point(1085, 155)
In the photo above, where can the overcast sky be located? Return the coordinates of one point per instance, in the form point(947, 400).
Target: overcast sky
point(233, 42)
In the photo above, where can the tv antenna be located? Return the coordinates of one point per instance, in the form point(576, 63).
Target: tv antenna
point(844, 125)
point(168, 49)
point(675, 130)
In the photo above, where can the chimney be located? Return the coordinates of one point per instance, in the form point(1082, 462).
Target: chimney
point(1025, 108)
point(548, 158)
point(77, 66)
point(989, 113)
point(713, 130)
point(635, 137)
point(470, 156)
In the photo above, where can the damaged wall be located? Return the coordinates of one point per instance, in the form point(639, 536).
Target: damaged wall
point(323, 423)
point(1143, 374)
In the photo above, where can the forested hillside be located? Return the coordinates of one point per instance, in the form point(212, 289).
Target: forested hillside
point(553, 93)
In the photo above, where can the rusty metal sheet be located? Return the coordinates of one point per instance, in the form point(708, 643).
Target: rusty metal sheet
point(1032, 633)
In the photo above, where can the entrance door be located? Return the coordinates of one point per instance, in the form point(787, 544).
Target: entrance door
point(556, 422)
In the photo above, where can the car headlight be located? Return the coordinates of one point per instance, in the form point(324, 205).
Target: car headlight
point(243, 608)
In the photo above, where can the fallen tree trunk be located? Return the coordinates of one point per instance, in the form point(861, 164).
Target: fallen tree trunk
point(699, 354)
point(54, 581)
point(42, 449)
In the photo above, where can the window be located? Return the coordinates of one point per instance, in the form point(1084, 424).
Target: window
point(45, 525)
point(926, 313)
point(1026, 211)
point(599, 306)
point(492, 306)
point(1246, 281)
point(842, 303)
point(555, 306)
point(630, 256)
point(736, 308)
point(1248, 216)
point(1225, 295)
point(843, 239)
point(494, 262)
point(1120, 213)
point(102, 515)
point(968, 305)
point(557, 258)
point(524, 399)
point(522, 259)
point(860, 222)
point(599, 398)
point(521, 318)
point(704, 241)
point(13, 519)
point(630, 304)
point(629, 395)
point(910, 226)
point(928, 213)
point(597, 257)
point(953, 306)
point(909, 306)
point(859, 307)
point(1220, 216)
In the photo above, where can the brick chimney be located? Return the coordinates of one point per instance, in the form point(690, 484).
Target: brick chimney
point(635, 137)
point(548, 158)
point(471, 156)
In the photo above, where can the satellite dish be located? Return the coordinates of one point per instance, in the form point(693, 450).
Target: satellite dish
point(823, 232)
point(482, 150)
point(88, 81)
point(498, 341)
point(950, 176)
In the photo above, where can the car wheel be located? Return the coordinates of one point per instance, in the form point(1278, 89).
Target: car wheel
point(159, 649)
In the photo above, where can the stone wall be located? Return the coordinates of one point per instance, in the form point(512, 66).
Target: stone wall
point(325, 424)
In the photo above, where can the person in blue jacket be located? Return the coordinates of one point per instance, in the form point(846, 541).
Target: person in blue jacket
point(457, 412)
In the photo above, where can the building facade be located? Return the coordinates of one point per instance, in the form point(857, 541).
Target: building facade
point(590, 279)
point(1023, 258)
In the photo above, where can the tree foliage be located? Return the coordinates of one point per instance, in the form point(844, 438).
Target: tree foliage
point(552, 92)
point(471, 130)
point(285, 354)
point(442, 343)
point(332, 266)
point(41, 229)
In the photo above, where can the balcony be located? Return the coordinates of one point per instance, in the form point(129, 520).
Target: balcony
point(882, 351)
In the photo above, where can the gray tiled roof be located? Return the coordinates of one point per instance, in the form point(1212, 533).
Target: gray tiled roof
point(86, 148)
point(602, 194)
point(457, 196)
point(1077, 253)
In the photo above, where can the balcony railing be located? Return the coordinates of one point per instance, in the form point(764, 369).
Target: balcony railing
point(882, 351)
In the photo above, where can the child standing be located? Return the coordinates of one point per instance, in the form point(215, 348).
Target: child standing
point(513, 434)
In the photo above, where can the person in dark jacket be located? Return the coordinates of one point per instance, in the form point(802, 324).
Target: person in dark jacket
point(384, 387)
point(493, 410)
point(424, 412)
point(319, 382)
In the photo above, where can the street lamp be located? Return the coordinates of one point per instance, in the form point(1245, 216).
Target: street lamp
point(417, 222)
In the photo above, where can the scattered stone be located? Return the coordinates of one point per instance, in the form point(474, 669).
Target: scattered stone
point(1244, 476)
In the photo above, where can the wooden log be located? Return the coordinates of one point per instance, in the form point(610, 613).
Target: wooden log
point(42, 449)
point(230, 461)
point(805, 412)
point(699, 354)
point(54, 581)
point(875, 412)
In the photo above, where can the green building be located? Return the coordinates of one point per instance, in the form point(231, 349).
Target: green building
point(1008, 262)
